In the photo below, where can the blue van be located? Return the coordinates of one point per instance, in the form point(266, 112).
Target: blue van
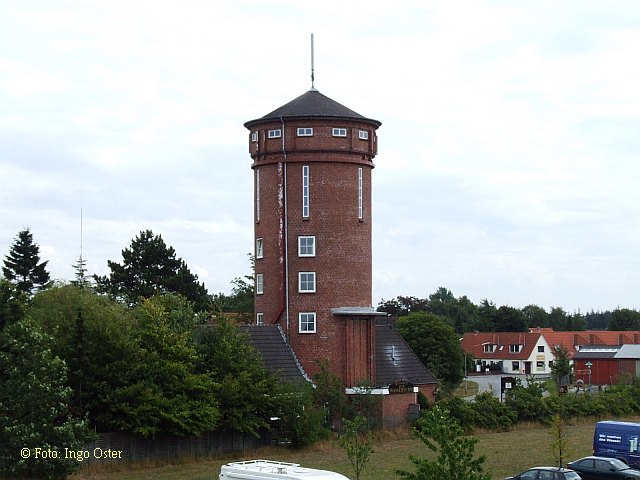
point(618, 440)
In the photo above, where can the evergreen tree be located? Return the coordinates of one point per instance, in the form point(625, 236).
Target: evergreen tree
point(150, 267)
point(22, 265)
point(12, 303)
point(81, 279)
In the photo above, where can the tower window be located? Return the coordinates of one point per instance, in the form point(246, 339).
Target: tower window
point(306, 246)
point(275, 133)
point(306, 282)
point(360, 208)
point(257, 196)
point(259, 247)
point(339, 132)
point(254, 136)
point(305, 191)
point(305, 132)
point(259, 283)
point(307, 322)
point(363, 135)
point(259, 318)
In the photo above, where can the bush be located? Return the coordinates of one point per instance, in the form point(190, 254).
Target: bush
point(493, 414)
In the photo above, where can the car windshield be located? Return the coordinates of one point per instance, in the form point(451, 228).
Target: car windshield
point(618, 464)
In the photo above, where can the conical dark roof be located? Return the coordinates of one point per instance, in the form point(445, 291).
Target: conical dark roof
point(312, 104)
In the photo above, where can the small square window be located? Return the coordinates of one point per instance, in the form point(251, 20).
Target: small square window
point(275, 133)
point(539, 366)
point(306, 246)
point(363, 135)
point(305, 132)
point(259, 283)
point(259, 248)
point(259, 318)
point(540, 348)
point(515, 366)
point(306, 282)
point(339, 132)
point(307, 322)
point(254, 136)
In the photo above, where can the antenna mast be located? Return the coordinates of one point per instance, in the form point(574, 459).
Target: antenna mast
point(312, 87)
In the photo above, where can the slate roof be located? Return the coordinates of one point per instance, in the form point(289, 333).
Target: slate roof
point(312, 104)
point(277, 356)
point(395, 360)
point(596, 351)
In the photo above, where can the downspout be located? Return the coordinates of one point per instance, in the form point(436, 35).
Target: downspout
point(286, 235)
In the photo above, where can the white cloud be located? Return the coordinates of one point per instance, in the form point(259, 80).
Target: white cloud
point(508, 149)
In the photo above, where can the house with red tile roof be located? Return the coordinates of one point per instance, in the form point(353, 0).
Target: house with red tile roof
point(573, 341)
point(509, 352)
point(531, 352)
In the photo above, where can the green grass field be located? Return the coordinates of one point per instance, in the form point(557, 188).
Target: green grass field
point(506, 454)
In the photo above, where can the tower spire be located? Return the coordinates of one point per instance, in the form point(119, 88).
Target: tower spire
point(312, 69)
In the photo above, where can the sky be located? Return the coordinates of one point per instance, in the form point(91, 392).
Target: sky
point(509, 151)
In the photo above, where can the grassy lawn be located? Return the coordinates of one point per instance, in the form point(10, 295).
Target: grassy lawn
point(506, 454)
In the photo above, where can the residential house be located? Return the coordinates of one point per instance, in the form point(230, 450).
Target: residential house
point(509, 352)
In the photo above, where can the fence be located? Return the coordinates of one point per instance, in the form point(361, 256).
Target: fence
point(117, 446)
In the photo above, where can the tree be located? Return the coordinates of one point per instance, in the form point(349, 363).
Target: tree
point(436, 344)
point(401, 306)
point(455, 460)
point(356, 442)
point(560, 441)
point(242, 384)
point(536, 316)
point(624, 319)
point(95, 336)
point(165, 393)
point(22, 265)
point(12, 303)
point(81, 279)
point(34, 407)
point(150, 267)
point(561, 367)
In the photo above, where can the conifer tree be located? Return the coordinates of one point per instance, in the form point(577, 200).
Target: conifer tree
point(22, 265)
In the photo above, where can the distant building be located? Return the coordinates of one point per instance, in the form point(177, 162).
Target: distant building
point(312, 164)
point(525, 353)
point(612, 355)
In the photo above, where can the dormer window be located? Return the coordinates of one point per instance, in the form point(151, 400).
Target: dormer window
point(305, 132)
point(363, 135)
point(489, 347)
point(339, 132)
point(515, 348)
point(275, 133)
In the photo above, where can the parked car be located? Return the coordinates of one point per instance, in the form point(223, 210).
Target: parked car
point(601, 468)
point(546, 473)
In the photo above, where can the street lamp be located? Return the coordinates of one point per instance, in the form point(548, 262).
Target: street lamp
point(589, 365)
point(465, 367)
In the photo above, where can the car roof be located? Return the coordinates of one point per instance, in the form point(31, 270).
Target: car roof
point(554, 469)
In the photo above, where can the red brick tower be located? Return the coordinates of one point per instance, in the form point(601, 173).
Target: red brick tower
point(312, 163)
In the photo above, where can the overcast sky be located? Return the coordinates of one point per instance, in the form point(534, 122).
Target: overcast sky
point(509, 151)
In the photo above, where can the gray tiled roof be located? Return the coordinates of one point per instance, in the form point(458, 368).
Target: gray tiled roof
point(395, 360)
point(276, 354)
point(312, 104)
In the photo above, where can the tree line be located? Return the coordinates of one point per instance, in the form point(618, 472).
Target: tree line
point(465, 316)
point(146, 351)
